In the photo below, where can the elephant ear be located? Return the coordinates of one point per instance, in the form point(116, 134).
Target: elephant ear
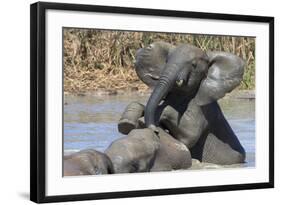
point(224, 74)
point(151, 60)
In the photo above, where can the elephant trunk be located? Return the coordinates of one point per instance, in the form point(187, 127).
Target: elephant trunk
point(164, 85)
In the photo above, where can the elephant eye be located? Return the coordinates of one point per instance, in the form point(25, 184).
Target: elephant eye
point(150, 46)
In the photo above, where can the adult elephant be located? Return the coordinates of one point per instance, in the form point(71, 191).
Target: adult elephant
point(187, 82)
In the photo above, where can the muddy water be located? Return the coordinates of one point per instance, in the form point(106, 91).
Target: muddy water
point(91, 121)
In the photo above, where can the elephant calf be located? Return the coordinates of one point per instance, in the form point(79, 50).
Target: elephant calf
point(171, 155)
point(135, 152)
point(188, 82)
point(87, 162)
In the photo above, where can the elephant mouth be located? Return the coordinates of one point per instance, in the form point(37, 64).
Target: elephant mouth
point(182, 79)
point(180, 83)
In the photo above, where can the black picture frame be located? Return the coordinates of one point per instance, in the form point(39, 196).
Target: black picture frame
point(38, 100)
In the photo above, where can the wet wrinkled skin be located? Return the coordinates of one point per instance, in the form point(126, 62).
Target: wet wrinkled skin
point(87, 162)
point(219, 144)
point(206, 132)
point(135, 152)
point(186, 126)
point(172, 154)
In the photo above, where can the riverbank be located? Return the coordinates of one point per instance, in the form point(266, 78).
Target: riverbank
point(102, 60)
point(236, 94)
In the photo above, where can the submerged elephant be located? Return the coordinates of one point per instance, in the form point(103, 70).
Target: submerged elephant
point(135, 152)
point(187, 82)
point(87, 162)
point(143, 151)
point(171, 155)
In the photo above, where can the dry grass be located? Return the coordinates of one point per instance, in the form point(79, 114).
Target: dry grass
point(103, 60)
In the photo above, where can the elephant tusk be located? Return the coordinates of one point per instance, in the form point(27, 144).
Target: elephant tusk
point(179, 83)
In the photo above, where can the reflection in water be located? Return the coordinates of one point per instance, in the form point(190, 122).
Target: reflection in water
point(91, 121)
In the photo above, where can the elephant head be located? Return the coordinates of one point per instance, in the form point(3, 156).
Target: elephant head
point(207, 76)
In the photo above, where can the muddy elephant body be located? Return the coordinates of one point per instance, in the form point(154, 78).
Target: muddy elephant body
point(87, 162)
point(187, 83)
point(171, 155)
point(135, 152)
point(205, 131)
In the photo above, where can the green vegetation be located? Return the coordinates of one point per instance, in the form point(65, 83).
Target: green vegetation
point(103, 60)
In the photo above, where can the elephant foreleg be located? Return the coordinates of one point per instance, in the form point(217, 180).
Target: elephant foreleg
point(129, 118)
